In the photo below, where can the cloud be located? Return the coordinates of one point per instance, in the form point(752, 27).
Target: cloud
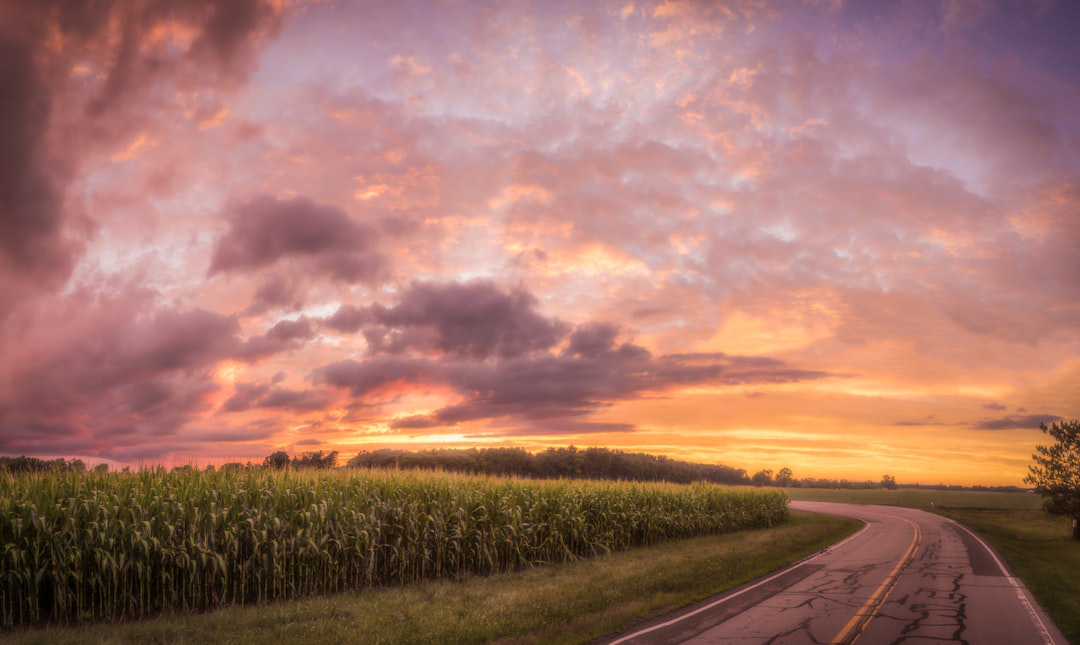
point(277, 292)
point(33, 244)
point(916, 424)
point(109, 372)
point(473, 320)
point(1016, 421)
point(557, 427)
point(501, 359)
point(541, 390)
point(225, 35)
point(284, 335)
point(592, 340)
point(109, 351)
point(51, 119)
point(348, 319)
point(266, 230)
point(250, 396)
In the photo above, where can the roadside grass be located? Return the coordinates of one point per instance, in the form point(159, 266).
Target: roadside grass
point(1037, 546)
point(920, 498)
point(567, 603)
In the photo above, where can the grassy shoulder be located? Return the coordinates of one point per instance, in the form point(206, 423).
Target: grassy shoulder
point(567, 603)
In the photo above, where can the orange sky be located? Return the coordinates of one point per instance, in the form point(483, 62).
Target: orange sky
point(835, 237)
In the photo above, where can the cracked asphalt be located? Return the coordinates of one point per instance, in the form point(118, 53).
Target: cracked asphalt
point(908, 577)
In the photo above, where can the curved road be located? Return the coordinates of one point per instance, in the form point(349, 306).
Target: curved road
point(906, 577)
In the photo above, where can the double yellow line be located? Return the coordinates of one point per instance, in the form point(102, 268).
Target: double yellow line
point(853, 629)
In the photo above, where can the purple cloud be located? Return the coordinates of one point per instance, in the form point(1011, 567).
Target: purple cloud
point(250, 396)
point(275, 293)
point(1016, 421)
point(503, 358)
point(463, 320)
point(33, 242)
point(265, 230)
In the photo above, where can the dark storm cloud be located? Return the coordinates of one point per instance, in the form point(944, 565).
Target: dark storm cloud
point(227, 31)
point(265, 230)
point(473, 320)
point(535, 387)
point(286, 330)
point(39, 43)
point(32, 241)
point(348, 319)
point(275, 293)
point(285, 335)
point(592, 339)
point(228, 26)
point(1016, 421)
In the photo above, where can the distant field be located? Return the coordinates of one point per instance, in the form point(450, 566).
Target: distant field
point(922, 499)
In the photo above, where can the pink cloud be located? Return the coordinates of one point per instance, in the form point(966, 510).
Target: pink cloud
point(265, 230)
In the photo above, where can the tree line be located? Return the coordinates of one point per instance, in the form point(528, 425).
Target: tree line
point(553, 463)
point(24, 464)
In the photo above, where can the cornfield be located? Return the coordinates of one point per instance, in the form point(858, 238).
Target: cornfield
point(118, 546)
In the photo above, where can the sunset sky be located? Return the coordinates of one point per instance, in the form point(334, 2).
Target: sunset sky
point(841, 237)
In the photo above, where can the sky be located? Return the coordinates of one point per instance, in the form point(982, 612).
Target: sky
point(838, 237)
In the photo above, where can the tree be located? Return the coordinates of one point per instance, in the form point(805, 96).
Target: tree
point(1056, 471)
point(784, 477)
point(888, 482)
point(762, 477)
point(316, 459)
point(278, 460)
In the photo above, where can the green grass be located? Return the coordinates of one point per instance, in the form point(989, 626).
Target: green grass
point(921, 499)
point(566, 603)
point(1037, 546)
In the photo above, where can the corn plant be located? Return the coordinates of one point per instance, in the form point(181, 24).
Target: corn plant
point(89, 546)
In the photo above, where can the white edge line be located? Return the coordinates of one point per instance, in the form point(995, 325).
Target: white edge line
point(1040, 626)
point(785, 570)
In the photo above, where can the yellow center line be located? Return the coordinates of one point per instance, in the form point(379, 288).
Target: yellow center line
point(853, 628)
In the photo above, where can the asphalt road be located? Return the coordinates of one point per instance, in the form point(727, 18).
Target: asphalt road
point(906, 577)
